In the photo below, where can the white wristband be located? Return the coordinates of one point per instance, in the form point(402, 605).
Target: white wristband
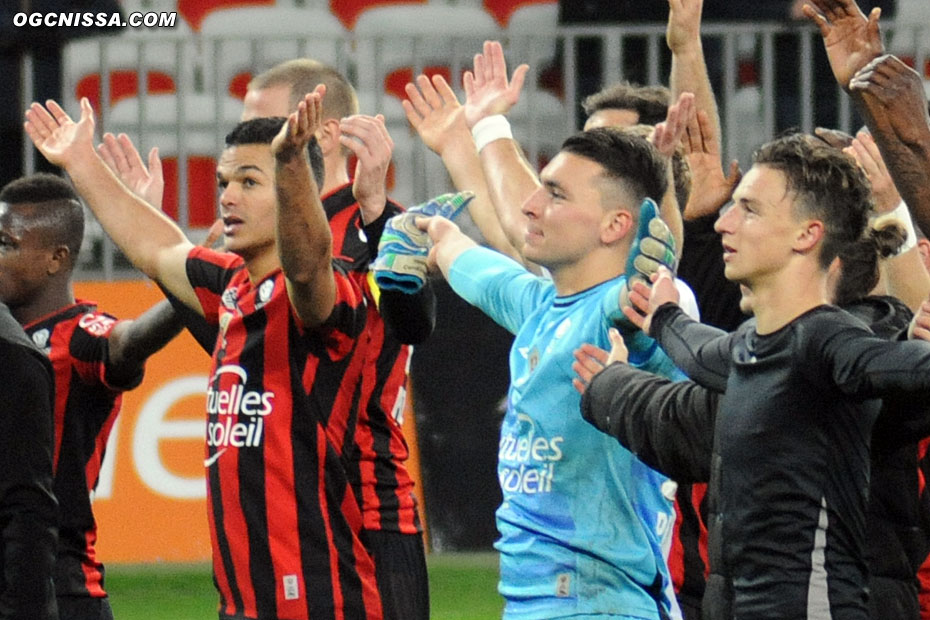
point(902, 217)
point(489, 129)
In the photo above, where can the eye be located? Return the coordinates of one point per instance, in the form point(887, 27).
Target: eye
point(222, 184)
point(249, 182)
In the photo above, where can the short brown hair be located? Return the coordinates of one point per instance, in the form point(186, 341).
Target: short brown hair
point(650, 102)
point(302, 75)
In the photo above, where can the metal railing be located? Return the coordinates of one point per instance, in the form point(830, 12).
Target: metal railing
point(766, 77)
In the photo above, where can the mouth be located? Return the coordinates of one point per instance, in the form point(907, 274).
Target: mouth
point(532, 233)
point(728, 252)
point(231, 224)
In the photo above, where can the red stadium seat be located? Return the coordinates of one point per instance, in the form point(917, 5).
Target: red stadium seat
point(503, 10)
point(194, 11)
point(348, 11)
point(124, 83)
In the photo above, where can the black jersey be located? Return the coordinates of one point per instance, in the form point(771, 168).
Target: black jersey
point(28, 509)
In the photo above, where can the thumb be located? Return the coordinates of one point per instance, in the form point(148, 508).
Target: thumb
point(87, 111)
point(155, 163)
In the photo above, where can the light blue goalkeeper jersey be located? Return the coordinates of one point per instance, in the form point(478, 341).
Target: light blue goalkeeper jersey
point(584, 525)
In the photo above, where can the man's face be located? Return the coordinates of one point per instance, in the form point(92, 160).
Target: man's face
point(565, 215)
point(759, 230)
point(267, 102)
point(25, 254)
point(612, 117)
point(245, 176)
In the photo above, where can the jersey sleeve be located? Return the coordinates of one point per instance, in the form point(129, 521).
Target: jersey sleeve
point(497, 285)
point(669, 426)
point(209, 273)
point(89, 347)
point(702, 352)
point(347, 321)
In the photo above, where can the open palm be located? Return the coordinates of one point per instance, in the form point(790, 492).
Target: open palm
point(56, 135)
point(851, 40)
point(487, 89)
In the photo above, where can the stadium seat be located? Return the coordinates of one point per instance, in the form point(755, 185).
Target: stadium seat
point(503, 11)
point(232, 54)
point(196, 142)
point(348, 11)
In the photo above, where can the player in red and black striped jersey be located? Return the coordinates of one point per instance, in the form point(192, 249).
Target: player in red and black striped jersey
point(372, 443)
point(94, 358)
point(285, 523)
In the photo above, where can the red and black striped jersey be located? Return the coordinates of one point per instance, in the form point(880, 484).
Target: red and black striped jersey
point(376, 455)
point(76, 340)
point(284, 521)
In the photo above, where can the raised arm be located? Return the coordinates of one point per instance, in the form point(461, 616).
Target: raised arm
point(132, 342)
point(370, 142)
point(851, 39)
point(904, 275)
point(305, 241)
point(892, 96)
point(689, 69)
point(510, 178)
point(435, 113)
point(151, 241)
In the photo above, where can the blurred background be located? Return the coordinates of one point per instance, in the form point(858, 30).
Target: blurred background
point(180, 88)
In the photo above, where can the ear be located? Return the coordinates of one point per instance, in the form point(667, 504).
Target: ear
point(809, 235)
point(58, 259)
point(615, 226)
point(328, 136)
point(923, 247)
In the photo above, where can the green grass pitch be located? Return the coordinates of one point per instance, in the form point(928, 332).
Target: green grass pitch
point(462, 586)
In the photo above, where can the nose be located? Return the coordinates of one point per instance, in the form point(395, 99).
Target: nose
point(228, 195)
point(725, 220)
point(533, 205)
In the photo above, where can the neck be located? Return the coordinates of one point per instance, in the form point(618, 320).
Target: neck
point(50, 299)
point(597, 267)
point(336, 174)
point(779, 300)
point(261, 265)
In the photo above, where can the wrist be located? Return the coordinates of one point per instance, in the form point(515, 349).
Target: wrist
point(490, 129)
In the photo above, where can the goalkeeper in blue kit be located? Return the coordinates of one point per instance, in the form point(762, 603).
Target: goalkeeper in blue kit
point(584, 524)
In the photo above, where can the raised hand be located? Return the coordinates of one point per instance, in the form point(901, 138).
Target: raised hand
point(669, 133)
point(646, 300)
point(710, 187)
point(851, 39)
point(899, 90)
point(434, 112)
point(121, 156)
point(487, 89)
point(865, 151)
point(684, 24)
point(300, 127)
point(590, 360)
point(62, 141)
point(369, 140)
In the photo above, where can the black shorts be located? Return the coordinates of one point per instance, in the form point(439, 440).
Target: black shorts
point(400, 568)
point(84, 608)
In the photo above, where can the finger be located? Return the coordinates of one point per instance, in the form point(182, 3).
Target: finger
point(445, 91)
point(640, 300)
point(862, 157)
point(495, 65)
point(416, 98)
point(468, 84)
point(429, 93)
point(633, 316)
point(595, 353)
point(736, 175)
point(213, 235)
point(516, 82)
point(818, 19)
point(873, 30)
point(413, 117)
point(130, 152)
point(120, 162)
point(106, 154)
point(579, 386)
point(58, 113)
point(480, 70)
point(868, 142)
point(709, 142)
point(43, 122)
point(155, 169)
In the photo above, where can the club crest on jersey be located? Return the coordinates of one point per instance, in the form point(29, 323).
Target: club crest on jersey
point(229, 298)
point(96, 324)
point(533, 359)
point(265, 291)
point(40, 338)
